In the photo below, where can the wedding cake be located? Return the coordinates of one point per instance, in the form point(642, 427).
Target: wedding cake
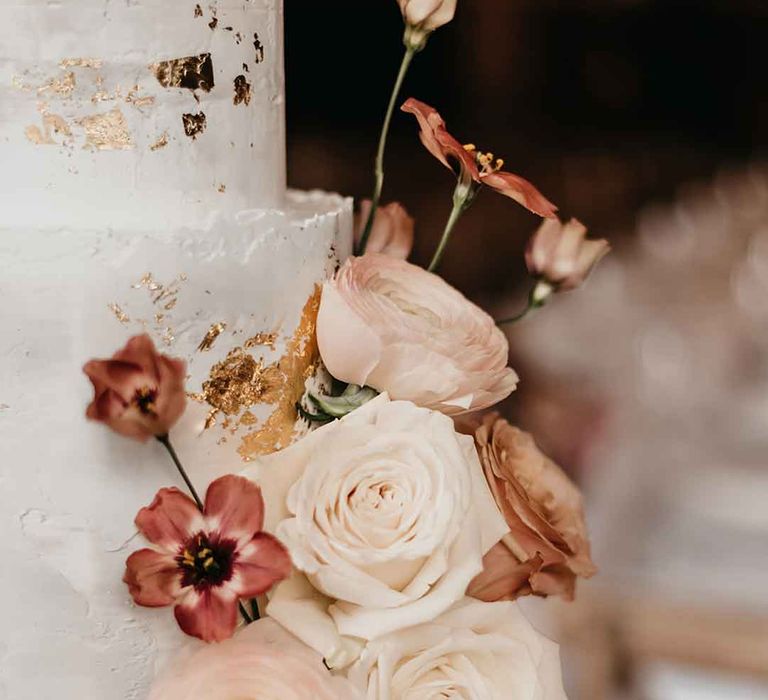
point(143, 190)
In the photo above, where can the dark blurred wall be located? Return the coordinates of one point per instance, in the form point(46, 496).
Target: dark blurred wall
point(605, 105)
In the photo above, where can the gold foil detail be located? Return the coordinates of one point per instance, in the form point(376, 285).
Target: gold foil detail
point(299, 361)
point(194, 124)
point(107, 132)
point(80, 63)
point(210, 337)
point(242, 91)
point(265, 339)
point(52, 124)
point(63, 87)
point(222, 188)
point(162, 142)
point(120, 315)
point(139, 101)
point(190, 72)
point(238, 382)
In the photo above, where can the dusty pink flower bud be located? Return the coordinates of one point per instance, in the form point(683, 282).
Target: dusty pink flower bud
point(392, 232)
point(561, 255)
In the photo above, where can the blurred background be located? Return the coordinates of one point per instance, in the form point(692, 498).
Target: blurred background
point(648, 120)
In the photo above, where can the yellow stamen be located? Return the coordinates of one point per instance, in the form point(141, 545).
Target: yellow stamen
point(470, 147)
point(203, 553)
point(208, 563)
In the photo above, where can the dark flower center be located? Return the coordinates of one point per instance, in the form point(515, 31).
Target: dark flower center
point(144, 399)
point(206, 560)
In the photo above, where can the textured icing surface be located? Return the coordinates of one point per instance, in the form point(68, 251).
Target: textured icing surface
point(69, 490)
point(139, 114)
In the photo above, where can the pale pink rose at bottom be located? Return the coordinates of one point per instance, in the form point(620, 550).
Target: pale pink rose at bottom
point(263, 662)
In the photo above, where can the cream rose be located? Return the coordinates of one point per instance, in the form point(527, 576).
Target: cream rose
point(262, 662)
point(397, 328)
point(386, 515)
point(487, 651)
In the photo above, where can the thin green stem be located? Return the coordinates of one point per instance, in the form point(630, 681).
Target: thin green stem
point(518, 317)
point(165, 441)
point(538, 296)
point(379, 167)
point(459, 207)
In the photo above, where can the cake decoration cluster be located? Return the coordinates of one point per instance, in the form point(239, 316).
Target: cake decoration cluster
point(381, 554)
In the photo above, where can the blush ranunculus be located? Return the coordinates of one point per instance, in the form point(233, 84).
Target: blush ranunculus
point(386, 515)
point(392, 232)
point(395, 327)
point(548, 547)
point(484, 651)
point(561, 255)
point(205, 562)
point(261, 662)
point(475, 167)
point(139, 393)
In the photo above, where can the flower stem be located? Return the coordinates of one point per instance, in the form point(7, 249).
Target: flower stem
point(536, 299)
point(462, 198)
point(165, 441)
point(410, 52)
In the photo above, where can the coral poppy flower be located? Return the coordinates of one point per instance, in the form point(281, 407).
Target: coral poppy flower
point(206, 562)
point(475, 167)
point(139, 393)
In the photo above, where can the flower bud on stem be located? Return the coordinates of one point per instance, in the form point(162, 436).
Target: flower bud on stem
point(536, 299)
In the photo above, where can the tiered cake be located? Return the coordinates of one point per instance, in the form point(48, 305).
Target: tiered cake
point(142, 189)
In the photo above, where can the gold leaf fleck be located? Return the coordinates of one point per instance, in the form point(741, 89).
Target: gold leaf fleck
point(300, 356)
point(162, 142)
point(80, 63)
point(107, 132)
point(210, 337)
point(265, 339)
point(190, 72)
point(120, 315)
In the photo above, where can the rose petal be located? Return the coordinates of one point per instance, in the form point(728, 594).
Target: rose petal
point(170, 520)
point(234, 507)
point(153, 578)
point(209, 614)
point(262, 563)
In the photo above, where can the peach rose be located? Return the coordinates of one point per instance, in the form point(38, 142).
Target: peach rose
point(392, 232)
point(262, 662)
point(487, 651)
point(138, 393)
point(547, 547)
point(395, 327)
point(561, 255)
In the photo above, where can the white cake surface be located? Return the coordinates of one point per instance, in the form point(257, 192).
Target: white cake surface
point(97, 245)
point(93, 98)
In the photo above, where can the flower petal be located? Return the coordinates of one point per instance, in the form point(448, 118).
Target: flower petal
point(262, 563)
point(209, 614)
point(140, 350)
point(170, 520)
point(521, 191)
point(153, 578)
point(234, 507)
point(436, 138)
